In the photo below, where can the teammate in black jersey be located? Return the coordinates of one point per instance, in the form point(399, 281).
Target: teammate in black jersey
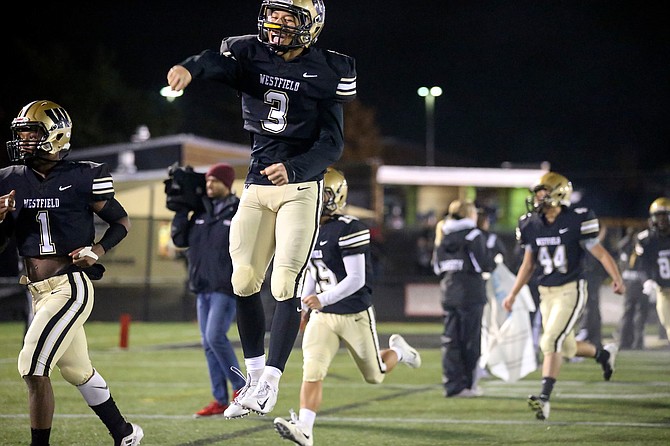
point(337, 307)
point(653, 258)
point(49, 206)
point(555, 238)
point(292, 95)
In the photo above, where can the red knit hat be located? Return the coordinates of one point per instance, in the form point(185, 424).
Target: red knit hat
point(222, 172)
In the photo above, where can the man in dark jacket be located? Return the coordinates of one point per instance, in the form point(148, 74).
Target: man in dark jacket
point(460, 259)
point(205, 235)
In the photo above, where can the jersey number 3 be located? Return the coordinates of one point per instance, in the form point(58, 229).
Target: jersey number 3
point(278, 102)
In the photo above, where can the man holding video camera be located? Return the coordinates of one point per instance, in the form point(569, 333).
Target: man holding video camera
point(206, 235)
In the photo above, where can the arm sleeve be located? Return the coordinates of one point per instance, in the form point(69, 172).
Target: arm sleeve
point(309, 286)
point(116, 217)
point(326, 150)
point(354, 265)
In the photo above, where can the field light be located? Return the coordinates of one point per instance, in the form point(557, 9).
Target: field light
point(429, 94)
point(433, 91)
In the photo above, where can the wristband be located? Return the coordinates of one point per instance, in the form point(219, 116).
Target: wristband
point(114, 234)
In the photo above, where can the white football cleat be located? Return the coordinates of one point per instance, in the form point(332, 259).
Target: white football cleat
point(608, 367)
point(134, 438)
point(410, 356)
point(539, 406)
point(263, 399)
point(235, 409)
point(291, 430)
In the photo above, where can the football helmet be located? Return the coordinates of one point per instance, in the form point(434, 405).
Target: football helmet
point(335, 190)
point(659, 214)
point(310, 16)
point(50, 120)
point(559, 190)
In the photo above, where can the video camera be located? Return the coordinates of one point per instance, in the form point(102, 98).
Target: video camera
point(184, 189)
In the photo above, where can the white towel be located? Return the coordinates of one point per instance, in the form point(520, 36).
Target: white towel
point(507, 338)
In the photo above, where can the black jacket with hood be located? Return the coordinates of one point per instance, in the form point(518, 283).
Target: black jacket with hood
point(460, 259)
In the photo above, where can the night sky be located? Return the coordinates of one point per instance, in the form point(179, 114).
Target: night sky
point(582, 84)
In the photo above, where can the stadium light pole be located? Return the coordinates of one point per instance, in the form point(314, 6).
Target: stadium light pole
point(429, 94)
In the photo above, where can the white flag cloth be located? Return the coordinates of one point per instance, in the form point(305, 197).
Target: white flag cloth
point(507, 338)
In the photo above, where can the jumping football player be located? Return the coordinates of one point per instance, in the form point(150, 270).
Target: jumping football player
point(292, 104)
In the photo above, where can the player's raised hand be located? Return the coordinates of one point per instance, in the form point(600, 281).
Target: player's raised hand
point(179, 77)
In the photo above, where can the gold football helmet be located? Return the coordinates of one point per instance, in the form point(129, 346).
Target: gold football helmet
point(335, 190)
point(50, 120)
point(659, 214)
point(310, 16)
point(559, 190)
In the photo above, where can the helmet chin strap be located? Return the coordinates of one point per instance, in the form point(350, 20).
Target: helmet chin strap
point(37, 157)
point(280, 50)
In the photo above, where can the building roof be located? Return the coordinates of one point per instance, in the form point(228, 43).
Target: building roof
point(458, 176)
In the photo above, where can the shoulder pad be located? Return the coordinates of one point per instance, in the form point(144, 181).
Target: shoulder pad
point(346, 218)
point(10, 170)
point(88, 164)
point(581, 210)
point(237, 44)
point(341, 63)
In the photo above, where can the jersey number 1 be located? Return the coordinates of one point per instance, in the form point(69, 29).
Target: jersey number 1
point(46, 245)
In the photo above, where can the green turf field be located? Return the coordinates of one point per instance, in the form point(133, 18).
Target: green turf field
point(161, 380)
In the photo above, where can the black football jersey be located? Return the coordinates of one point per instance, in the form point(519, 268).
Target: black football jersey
point(52, 215)
point(653, 256)
point(558, 246)
point(341, 236)
point(293, 110)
